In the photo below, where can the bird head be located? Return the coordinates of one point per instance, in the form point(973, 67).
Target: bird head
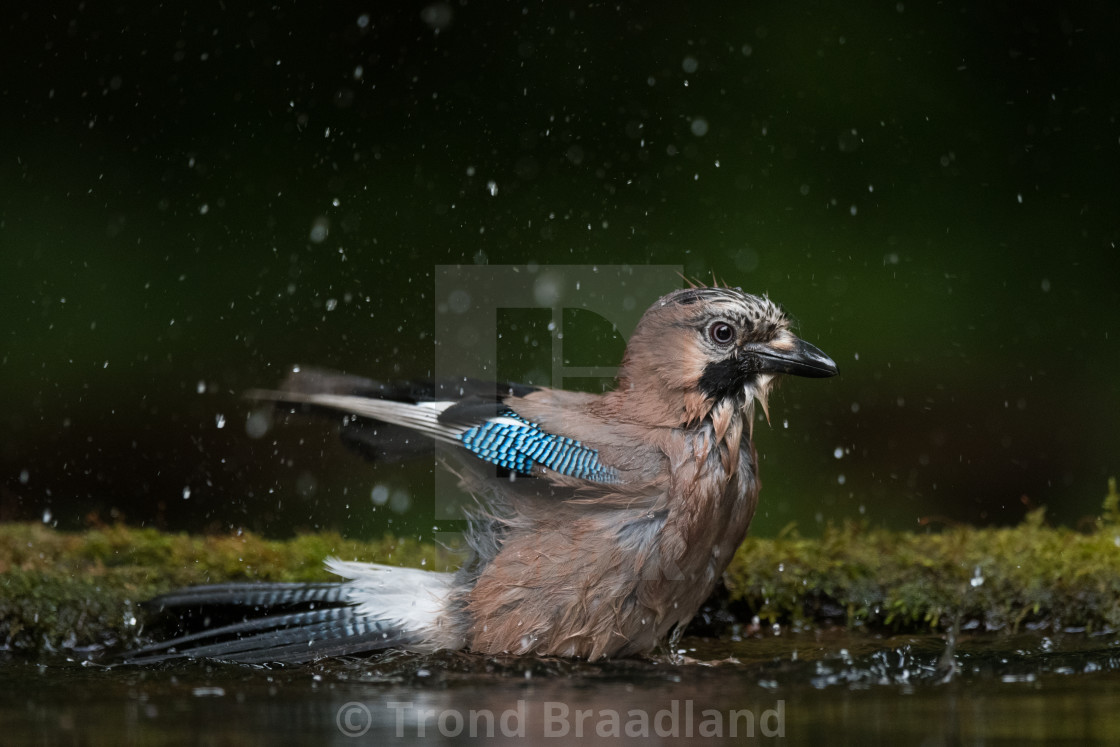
point(699, 348)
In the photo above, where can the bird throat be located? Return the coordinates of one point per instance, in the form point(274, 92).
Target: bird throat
point(757, 390)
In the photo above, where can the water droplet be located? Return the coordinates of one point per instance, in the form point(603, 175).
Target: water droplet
point(320, 229)
point(400, 501)
point(977, 578)
point(258, 423)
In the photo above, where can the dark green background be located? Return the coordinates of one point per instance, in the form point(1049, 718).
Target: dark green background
point(930, 190)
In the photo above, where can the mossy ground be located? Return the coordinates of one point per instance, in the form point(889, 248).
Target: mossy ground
point(72, 590)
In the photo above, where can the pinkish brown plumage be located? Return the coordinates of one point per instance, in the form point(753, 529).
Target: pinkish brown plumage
point(628, 508)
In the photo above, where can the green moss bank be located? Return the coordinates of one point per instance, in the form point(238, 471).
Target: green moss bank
point(68, 591)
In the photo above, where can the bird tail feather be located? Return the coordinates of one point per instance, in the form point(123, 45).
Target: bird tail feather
point(289, 623)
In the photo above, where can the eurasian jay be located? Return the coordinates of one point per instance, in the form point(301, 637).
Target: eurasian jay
point(609, 518)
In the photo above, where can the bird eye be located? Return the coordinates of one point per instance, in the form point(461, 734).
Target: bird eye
point(721, 333)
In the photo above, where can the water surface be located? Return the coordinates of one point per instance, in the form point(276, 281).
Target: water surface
point(834, 687)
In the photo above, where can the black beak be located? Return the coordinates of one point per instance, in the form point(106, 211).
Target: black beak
point(802, 359)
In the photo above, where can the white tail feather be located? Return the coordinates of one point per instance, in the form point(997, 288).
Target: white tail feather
point(421, 416)
point(413, 598)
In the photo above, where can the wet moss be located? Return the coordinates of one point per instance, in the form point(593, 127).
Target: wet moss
point(61, 590)
point(66, 591)
point(996, 578)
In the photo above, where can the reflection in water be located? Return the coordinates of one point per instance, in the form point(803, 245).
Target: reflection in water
point(832, 686)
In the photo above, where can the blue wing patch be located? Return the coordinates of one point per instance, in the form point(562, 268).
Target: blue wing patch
point(519, 445)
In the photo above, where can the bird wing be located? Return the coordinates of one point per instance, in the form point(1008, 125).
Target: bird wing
point(475, 416)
